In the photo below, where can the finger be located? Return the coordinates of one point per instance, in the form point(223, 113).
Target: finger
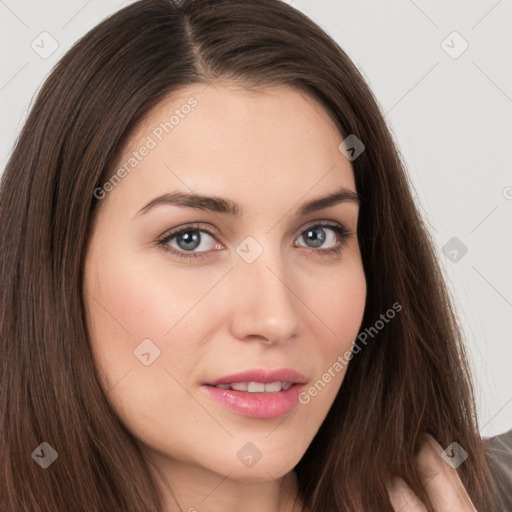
point(403, 498)
point(441, 481)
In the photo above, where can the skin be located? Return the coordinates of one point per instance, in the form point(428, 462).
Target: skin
point(292, 307)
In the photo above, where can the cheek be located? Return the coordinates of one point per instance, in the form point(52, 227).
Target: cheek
point(338, 306)
point(136, 302)
point(337, 302)
point(133, 312)
point(135, 309)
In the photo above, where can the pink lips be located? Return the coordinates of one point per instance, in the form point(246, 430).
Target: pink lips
point(261, 375)
point(258, 405)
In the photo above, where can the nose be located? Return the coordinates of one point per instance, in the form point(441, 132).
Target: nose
point(265, 305)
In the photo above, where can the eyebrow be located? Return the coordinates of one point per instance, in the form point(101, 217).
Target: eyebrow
point(227, 206)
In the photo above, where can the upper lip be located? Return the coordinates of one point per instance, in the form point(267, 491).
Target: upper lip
point(261, 375)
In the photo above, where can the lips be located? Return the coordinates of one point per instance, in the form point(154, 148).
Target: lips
point(255, 393)
point(256, 405)
point(260, 375)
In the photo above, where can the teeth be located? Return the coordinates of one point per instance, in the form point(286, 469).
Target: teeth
point(239, 386)
point(272, 387)
point(257, 387)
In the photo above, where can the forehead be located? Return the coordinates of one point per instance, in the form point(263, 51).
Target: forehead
point(233, 141)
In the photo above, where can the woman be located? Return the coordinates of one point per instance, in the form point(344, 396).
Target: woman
point(170, 341)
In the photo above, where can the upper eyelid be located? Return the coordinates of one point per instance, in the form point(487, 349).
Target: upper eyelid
point(343, 232)
point(216, 233)
point(340, 228)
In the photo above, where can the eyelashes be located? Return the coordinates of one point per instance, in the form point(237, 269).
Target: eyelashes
point(340, 231)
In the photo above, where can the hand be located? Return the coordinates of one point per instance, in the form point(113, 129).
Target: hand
point(441, 481)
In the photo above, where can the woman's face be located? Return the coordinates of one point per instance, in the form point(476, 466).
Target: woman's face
point(262, 290)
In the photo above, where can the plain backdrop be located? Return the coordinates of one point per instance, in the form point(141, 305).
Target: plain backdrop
point(442, 74)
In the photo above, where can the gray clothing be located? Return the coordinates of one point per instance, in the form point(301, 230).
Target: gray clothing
point(499, 457)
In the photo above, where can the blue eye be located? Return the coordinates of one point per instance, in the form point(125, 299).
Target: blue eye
point(317, 235)
point(189, 238)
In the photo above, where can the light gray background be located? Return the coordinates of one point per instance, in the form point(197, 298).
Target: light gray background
point(451, 117)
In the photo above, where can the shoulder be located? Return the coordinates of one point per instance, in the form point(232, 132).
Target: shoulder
point(499, 457)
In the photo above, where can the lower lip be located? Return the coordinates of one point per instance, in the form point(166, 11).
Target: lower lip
point(257, 405)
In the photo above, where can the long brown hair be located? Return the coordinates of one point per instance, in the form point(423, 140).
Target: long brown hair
point(411, 379)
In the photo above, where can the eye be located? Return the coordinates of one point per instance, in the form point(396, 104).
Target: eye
point(333, 235)
point(190, 238)
point(197, 240)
